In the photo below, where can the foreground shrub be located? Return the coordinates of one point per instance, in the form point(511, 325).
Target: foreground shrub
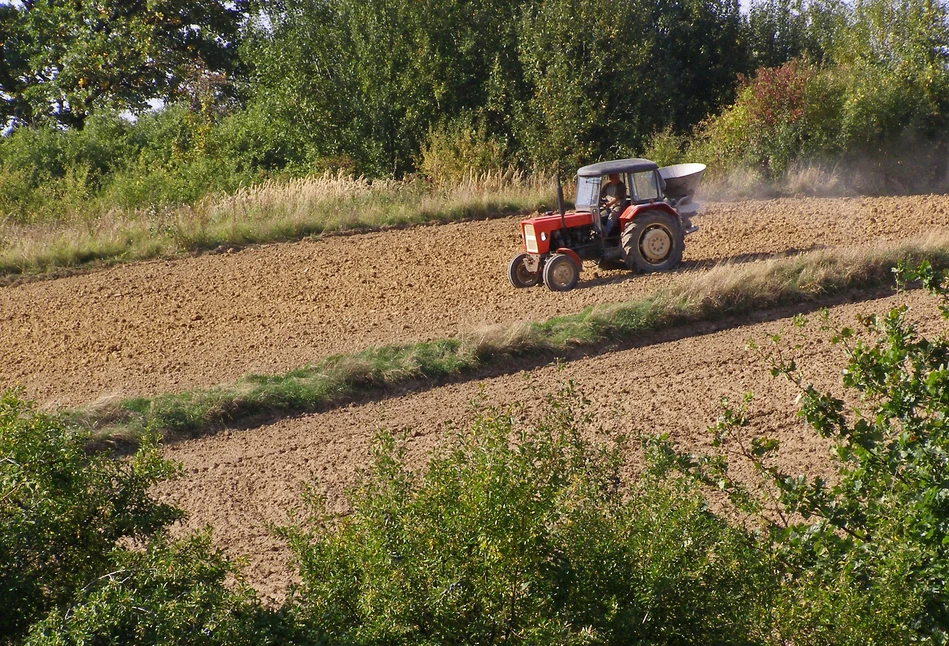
point(173, 592)
point(864, 553)
point(84, 555)
point(63, 511)
point(523, 532)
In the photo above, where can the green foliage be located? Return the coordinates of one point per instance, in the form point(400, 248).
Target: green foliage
point(555, 81)
point(780, 115)
point(521, 531)
point(666, 148)
point(870, 88)
point(385, 88)
point(376, 76)
point(603, 75)
point(168, 157)
point(84, 553)
point(453, 154)
point(864, 552)
point(65, 60)
point(172, 592)
point(783, 30)
point(63, 511)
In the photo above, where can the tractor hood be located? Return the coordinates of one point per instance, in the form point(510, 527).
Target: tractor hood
point(551, 220)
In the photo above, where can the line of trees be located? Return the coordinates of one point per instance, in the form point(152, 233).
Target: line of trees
point(550, 80)
point(384, 88)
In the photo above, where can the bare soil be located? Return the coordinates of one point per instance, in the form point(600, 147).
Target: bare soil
point(172, 325)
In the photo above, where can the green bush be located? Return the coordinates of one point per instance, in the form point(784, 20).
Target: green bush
point(172, 592)
point(84, 553)
point(523, 532)
point(864, 552)
point(166, 158)
point(665, 147)
point(63, 511)
point(768, 125)
point(863, 90)
point(454, 154)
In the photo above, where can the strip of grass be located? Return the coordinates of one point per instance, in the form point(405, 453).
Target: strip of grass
point(722, 291)
point(271, 212)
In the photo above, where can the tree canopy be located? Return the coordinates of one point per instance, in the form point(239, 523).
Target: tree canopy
point(381, 87)
point(63, 60)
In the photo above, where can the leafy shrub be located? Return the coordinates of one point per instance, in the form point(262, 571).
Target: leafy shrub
point(63, 511)
point(173, 592)
point(666, 147)
point(864, 552)
point(769, 123)
point(869, 96)
point(453, 154)
point(523, 532)
point(84, 553)
point(166, 158)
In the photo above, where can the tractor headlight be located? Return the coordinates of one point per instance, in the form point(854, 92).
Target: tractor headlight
point(530, 238)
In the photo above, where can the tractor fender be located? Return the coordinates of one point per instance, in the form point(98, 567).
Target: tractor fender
point(631, 212)
point(573, 256)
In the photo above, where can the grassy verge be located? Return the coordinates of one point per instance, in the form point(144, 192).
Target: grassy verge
point(271, 212)
point(724, 290)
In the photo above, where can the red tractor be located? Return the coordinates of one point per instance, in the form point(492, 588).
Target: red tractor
point(643, 225)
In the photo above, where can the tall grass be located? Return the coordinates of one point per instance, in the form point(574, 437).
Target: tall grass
point(269, 212)
point(728, 289)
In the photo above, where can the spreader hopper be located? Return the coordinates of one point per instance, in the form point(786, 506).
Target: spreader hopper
point(681, 180)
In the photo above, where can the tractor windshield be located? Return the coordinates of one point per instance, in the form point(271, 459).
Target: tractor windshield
point(646, 186)
point(588, 193)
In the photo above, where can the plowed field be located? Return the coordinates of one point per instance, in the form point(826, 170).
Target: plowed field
point(172, 325)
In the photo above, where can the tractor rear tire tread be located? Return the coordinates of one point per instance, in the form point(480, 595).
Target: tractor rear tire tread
point(653, 242)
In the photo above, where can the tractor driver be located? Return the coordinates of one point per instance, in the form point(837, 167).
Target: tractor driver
point(613, 197)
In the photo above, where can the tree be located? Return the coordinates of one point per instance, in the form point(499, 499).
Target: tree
point(63, 60)
point(603, 76)
point(698, 56)
point(587, 66)
point(369, 79)
point(782, 30)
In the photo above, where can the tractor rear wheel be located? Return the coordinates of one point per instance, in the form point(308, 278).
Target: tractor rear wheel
point(561, 273)
point(520, 274)
point(653, 242)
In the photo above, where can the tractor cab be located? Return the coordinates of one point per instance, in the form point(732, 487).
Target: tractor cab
point(640, 177)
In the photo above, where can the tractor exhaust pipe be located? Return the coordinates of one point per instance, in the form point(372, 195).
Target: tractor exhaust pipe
point(560, 206)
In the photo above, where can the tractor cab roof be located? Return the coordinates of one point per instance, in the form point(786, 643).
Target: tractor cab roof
point(617, 166)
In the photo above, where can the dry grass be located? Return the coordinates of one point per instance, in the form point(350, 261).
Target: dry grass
point(269, 212)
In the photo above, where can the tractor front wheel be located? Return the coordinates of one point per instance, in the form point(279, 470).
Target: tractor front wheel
point(653, 242)
point(561, 273)
point(519, 272)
